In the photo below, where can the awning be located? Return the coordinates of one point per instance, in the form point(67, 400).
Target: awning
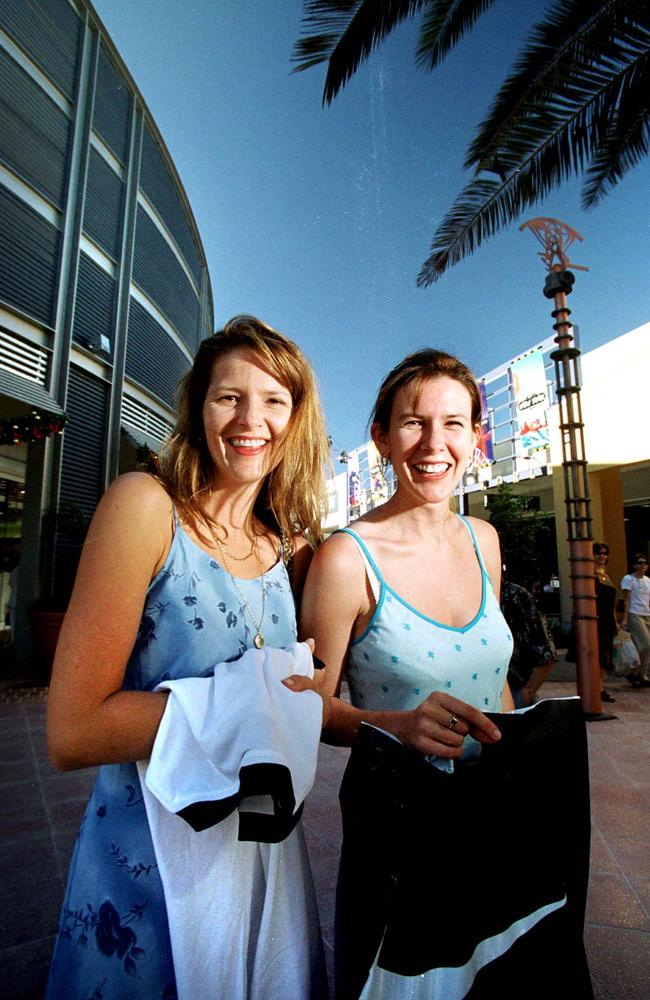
point(140, 438)
point(25, 396)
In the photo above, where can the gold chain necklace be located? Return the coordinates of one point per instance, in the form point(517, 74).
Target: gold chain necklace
point(258, 638)
point(238, 558)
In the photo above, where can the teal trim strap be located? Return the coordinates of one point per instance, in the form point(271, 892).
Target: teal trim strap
point(364, 548)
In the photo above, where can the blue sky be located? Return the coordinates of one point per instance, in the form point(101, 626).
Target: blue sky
point(318, 220)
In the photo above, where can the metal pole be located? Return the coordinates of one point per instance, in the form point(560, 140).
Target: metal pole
point(556, 237)
point(576, 489)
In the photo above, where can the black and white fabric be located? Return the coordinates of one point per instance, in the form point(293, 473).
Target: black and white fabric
point(471, 884)
point(234, 757)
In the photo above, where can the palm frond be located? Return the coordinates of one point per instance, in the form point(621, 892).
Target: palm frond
point(354, 29)
point(626, 141)
point(486, 205)
point(444, 22)
point(573, 41)
point(323, 23)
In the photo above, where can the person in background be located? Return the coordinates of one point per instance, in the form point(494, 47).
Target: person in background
point(534, 654)
point(636, 614)
point(606, 611)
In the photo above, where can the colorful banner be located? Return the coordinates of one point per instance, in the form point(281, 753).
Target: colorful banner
point(377, 487)
point(484, 451)
point(354, 485)
point(531, 403)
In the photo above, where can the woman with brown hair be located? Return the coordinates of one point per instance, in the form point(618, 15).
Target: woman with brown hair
point(405, 604)
point(179, 573)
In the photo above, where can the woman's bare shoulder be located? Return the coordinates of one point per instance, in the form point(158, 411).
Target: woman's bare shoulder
point(338, 555)
point(484, 531)
point(140, 493)
point(137, 509)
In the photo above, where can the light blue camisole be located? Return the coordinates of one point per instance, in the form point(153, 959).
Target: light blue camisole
point(402, 656)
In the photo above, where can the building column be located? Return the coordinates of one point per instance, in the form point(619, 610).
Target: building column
point(124, 294)
point(609, 518)
point(29, 574)
point(562, 544)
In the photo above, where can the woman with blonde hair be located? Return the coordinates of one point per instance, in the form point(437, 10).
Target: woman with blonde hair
point(179, 573)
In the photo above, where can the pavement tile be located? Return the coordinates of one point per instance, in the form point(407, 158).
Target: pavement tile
point(620, 961)
point(68, 814)
point(22, 810)
point(625, 812)
point(613, 902)
point(632, 855)
point(600, 993)
point(642, 887)
point(64, 841)
point(35, 913)
point(24, 769)
point(601, 858)
point(23, 969)
point(58, 787)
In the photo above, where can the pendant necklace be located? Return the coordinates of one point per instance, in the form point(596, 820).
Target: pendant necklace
point(258, 638)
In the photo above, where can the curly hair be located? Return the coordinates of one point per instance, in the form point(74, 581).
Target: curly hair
point(293, 497)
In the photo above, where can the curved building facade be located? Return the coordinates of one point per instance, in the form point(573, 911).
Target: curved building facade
point(104, 289)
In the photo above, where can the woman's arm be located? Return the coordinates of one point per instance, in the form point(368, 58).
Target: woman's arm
point(90, 720)
point(626, 608)
point(335, 598)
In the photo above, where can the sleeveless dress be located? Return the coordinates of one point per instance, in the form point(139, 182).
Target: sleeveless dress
point(395, 664)
point(402, 656)
point(113, 941)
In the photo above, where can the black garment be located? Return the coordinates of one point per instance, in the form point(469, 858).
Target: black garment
point(429, 870)
point(533, 645)
point(605, 601)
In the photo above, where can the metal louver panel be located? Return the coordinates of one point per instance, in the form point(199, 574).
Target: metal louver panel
point(22, 358)
point(152, 359)
point(104, 205)
point(28, 258)
point(94, 305)
point(161, 190)
point(49, 33)
point(157, 271)
point(112, 105)
point(82, 470)
point(148, 425)
point(25, 395)
point(34, 132)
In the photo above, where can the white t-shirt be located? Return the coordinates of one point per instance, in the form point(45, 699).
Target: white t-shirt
point(639, 588)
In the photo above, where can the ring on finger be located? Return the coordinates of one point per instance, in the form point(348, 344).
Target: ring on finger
point(453, 722)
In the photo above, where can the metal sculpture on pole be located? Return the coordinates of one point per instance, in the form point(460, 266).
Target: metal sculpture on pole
point(556, 237)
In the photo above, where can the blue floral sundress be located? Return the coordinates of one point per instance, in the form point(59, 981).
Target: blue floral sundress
point(113, 941)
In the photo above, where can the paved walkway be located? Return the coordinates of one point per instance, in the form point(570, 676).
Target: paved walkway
point(41, 811)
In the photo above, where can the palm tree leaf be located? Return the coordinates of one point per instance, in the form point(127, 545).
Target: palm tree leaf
point(486, 205)
point(627, 138)
point(578, 47)
point(323, 23)
point(359, 27)
point(443, 24)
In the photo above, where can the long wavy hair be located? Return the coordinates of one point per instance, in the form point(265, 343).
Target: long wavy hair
point(413, 371)
point(293, 498)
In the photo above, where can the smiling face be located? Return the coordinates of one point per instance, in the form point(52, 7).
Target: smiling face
point(246, 412)
point(429, 438)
